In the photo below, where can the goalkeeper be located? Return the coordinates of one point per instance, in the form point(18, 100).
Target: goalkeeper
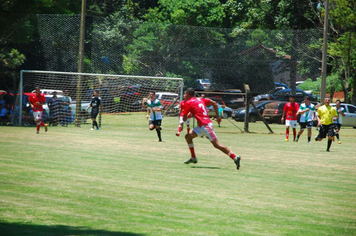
point(95, 104)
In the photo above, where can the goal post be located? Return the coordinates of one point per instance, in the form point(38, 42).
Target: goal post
point(119, 93)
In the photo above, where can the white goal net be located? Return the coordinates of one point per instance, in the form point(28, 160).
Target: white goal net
point(119, 93)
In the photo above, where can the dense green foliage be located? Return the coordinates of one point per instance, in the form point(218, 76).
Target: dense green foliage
point(144, 30)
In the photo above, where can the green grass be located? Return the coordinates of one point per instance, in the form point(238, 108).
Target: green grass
point(121, 181)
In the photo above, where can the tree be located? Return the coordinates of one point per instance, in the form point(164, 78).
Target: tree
point(342, 45)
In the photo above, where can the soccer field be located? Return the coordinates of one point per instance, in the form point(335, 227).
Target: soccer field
point(121, 181)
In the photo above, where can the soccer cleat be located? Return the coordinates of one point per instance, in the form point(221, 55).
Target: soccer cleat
point(339, 142)
point(191, 160)
point(97, 128)
point(178, 134)
point(92, 129)
point(296, 140)
point(309, 142)
point(37, 132)
point(237, 162)
point(160, 140)
point(46, 127)
point(286, 140)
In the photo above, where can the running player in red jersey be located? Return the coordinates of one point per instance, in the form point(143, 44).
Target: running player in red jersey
point(290, 111)
point(37, 100)
point(197, 107)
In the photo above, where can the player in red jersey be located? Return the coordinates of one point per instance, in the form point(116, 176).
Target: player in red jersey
point(36, 101)
point(197, 107)
point(290, 111)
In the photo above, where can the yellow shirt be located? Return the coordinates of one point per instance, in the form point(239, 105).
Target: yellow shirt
point(326, 114)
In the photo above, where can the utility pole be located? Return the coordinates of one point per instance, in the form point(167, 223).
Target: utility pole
point(324, 58)
point(80, 65)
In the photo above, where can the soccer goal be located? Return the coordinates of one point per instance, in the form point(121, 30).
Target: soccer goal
point(119, 93)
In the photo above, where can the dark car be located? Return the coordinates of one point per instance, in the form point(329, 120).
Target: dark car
point(239, 114)
point(283, 95)
point(273, 111)
point(268, 95)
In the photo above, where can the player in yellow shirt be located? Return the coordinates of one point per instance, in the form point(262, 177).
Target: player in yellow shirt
point(326, 116)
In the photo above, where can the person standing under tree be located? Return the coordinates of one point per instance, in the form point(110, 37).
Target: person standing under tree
point(154, 114)
point(326, 117)
point(95, 104)
point(37, 101)
point(290, 111)
point(307, 117)
point(340, 113)
point(197, 107)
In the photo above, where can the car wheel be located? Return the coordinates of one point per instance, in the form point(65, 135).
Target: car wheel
point(253, 119)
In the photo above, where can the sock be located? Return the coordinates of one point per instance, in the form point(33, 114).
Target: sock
point(337, 135)
point(294, 134)
point(96, 124)
point(42, 124)
point(287, 133)
point(298, 136)
point(191, 149)
point(309, 139)
point(232, 155)
point(329, 144)
point(38, 127)
point(159, 134)
point(188, 129)
point(92, 124)
point(180, 128)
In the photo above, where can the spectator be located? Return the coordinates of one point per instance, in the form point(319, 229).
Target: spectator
point(66, 101)
point(67, 117)
point(54, 108)
point(4, 115)
point(9, 99)
point(45, 116)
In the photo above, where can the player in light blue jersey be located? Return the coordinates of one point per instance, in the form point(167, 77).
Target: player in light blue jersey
point(154, 113)
point(307, 117)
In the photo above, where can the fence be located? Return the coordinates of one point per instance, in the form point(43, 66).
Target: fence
point(227, 58)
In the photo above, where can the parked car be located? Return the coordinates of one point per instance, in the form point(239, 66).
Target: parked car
point(227, 110)
point(283, 95)
point(205, 83)
point(268, 95)
point(273, 111)
point(239, 114)
point(167, 99)
point(350, 115)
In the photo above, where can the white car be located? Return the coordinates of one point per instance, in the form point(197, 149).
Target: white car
point(350, 114)
point(167, 98)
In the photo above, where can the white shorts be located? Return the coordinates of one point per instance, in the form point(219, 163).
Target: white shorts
point(292, 123)
point(37, 115)
point(207, 131)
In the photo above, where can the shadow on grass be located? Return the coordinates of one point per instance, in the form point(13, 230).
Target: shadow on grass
point(205, 167)
point(19, 229)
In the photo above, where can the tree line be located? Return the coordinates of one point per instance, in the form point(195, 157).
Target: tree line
point(157, 45)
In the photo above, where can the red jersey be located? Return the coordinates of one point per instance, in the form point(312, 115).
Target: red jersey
point(33, 99)
point(291, 110)
point(197, 107)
